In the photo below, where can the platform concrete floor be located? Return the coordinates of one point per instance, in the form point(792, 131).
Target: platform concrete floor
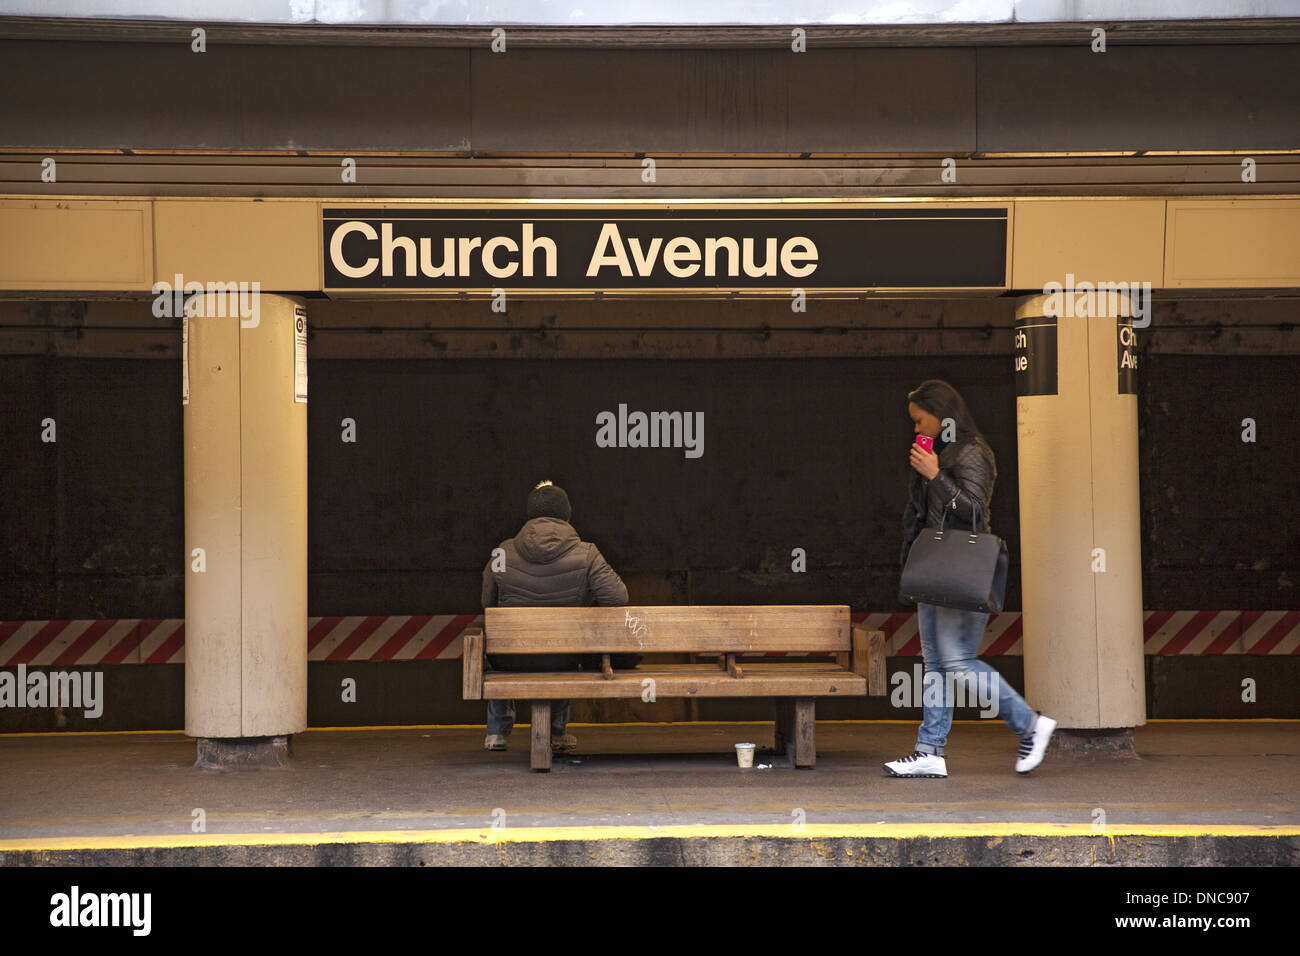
point(57, 789)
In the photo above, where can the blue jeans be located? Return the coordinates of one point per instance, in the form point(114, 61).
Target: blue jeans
point(949, 641)
point(501, 717)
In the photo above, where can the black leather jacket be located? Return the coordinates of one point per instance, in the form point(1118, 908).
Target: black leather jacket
point(963, 486)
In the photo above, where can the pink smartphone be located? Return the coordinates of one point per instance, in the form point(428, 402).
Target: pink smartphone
point(926, 442)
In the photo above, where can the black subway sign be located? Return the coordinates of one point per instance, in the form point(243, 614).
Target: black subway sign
point(1035, 355)
point(664, 249)
point(1127, 356)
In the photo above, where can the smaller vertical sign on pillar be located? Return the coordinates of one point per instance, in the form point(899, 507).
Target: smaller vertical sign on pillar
point(1036, 355)
point(185, 359)
point(300, 354)
point(1127, 355)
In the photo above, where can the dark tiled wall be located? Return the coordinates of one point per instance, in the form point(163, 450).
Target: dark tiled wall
point(807, 453)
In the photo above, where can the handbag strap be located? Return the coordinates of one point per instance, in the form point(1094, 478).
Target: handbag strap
point(953, 505)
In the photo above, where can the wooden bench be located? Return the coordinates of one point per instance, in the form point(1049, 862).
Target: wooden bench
point(857, 669)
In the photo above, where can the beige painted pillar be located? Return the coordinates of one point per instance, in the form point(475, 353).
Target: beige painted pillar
point(1080, 552)
point(246, 509)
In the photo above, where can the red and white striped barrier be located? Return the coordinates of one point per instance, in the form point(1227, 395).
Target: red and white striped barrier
point(438, 637)
point(419, 637)
point(1165, 632)
point(1223, 632)
point(69, 643)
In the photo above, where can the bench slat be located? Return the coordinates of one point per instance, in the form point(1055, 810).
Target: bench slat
point(682, 680)
point(675, 628)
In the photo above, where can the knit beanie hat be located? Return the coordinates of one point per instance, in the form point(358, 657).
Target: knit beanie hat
point(548, 501)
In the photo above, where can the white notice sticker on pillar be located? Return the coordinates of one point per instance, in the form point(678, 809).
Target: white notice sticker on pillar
point(299, 354)
point(185, 360)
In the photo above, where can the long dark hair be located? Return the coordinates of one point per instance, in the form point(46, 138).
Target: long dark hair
point(943, 401)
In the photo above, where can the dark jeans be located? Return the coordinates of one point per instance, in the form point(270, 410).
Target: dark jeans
point(501, 713)
point(501, 717)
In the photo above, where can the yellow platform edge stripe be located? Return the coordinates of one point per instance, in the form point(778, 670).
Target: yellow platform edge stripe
point(488, 835)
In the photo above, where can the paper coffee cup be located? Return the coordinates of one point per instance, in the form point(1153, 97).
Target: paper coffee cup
point(745, 755)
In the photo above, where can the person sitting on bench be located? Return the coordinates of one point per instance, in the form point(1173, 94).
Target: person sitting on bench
point(546, 565)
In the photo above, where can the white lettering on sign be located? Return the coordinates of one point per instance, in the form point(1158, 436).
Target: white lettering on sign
point(500, 256)
point(503, 257)
point(682, 256)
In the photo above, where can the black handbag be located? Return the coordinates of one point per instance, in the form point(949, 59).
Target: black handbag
point(966, 570)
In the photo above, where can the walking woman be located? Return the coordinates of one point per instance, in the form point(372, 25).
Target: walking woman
point(956, 479)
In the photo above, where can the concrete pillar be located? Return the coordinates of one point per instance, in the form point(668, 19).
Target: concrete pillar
point(1080, 543)
point(245, 426)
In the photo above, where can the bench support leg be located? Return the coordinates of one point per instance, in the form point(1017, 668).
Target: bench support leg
point(541, 759)
point(784, 725)
point(796, 730)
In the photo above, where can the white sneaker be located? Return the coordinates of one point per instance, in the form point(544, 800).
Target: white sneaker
point(918, 765)
point(1034, 746)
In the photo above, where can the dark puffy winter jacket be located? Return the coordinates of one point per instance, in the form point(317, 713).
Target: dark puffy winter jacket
point(548, 565)
point(963, 487)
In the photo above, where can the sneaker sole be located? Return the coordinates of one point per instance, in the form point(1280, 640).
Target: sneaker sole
point(932, 776)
